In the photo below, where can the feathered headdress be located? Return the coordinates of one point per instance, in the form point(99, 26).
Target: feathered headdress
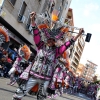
point(25, 52)
point(55, 33)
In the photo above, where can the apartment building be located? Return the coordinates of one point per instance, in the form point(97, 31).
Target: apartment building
point(89, 71)
point(76, 53)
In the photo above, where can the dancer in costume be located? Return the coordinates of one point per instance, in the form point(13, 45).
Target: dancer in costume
point(57, 81)
point(61, 76)
point(23, 55)
point(69, 81)
point(44, 64)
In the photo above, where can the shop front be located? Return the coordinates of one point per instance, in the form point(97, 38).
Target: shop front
point(15, 38)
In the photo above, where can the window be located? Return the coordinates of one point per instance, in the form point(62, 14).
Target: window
point(61, 19)
point(66, 4)
point(21, 18)
point(49, 3)
point(28, 26)
point(13, 2)
point(52, 7)
point(62, 2)
point(59, 9)
point(28, 23)
point(23, 8)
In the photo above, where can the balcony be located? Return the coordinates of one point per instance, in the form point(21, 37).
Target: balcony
point(79, 50)
point(73, 68)
point(78, 53)
point(74, 63)
point(79, 44)
point(76, 58)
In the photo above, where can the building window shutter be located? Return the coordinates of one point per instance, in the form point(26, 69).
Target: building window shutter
point(66, 5)
point(20, 7)
point(13, 2)
point(21, 17)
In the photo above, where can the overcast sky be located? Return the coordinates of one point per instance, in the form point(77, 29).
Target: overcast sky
point(87, 15)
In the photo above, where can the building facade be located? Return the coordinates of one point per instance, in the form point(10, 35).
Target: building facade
point(77, 51)
point(62, 6)
point(69, 20)
point(15, 17)
point(80, 70)
point(65, 9)
point(89, 71)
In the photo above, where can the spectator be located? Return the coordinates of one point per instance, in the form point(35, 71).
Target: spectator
point(3, 68)
point(13, 53)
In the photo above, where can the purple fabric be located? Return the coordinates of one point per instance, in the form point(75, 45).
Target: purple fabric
point(37, 38)
point(39, 76)
point(61, 49)
point(36, 31)
point(39, 43)
point(46, 33)
point(57, 71)
point(18, 59)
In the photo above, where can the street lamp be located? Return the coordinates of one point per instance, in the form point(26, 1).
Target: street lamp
point(88, 35)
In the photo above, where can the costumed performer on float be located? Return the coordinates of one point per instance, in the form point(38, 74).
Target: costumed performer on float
point(43, 67)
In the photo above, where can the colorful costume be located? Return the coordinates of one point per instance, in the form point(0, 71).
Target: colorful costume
point(44, 64)
point(57, 81)
point(69, 81)
point(23, 55)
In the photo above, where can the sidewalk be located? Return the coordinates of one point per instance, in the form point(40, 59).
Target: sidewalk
point(67, 97)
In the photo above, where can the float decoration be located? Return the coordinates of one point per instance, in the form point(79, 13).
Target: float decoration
point(26, 51)
point(54, 20)
point(3, 35)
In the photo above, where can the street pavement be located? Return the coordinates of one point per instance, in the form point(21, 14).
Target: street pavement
point(7, 91)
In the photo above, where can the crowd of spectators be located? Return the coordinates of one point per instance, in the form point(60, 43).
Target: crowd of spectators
point(78, 85)
point(7, 58)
